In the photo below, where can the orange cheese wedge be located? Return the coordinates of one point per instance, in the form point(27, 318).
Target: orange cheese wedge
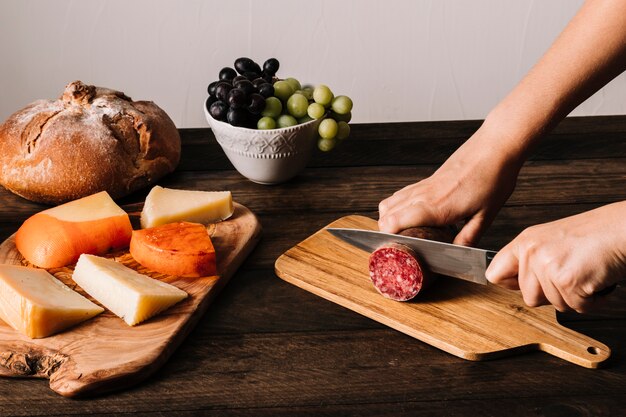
point(58, 236)
point(181, 248)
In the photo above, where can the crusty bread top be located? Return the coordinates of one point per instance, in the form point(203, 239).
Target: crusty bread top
point(89, 140)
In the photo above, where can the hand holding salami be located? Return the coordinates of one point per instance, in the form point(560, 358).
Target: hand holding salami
point(470, 186)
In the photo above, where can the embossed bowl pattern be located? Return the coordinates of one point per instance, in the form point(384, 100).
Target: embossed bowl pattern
point(266, 156)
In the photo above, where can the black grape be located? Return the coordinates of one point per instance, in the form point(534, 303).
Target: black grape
point(218, 110)
point(251, 75)
point(256, 103)
point(270, 66)
point(243, 65)
point(237, 98)
point(266, 90)
point(211, 88)
point(227, 73)
point(258, 81)
point(237, 117)
point(222, 90)
point(209, 101)
point(268, 77)
point(246, 86)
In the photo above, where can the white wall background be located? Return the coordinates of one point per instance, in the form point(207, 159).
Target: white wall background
point(400, 60)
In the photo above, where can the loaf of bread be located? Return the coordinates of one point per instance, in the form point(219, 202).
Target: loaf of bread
point(91, 139)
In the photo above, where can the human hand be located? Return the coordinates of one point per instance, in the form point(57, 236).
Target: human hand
point(470, 186)
point(565, 262)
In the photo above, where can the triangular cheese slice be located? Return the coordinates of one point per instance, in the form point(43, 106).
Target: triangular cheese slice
point(35, 303)
point(166, 205)
point(132, 296)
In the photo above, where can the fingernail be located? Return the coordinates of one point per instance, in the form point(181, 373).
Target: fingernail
point(489, 273)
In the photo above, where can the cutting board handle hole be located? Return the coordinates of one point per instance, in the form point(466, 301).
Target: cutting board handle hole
point(593, 350)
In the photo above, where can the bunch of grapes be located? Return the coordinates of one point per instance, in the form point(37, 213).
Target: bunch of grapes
point(248, 96)
point(238, 96)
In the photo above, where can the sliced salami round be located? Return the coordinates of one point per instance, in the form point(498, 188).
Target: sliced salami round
point(395, 269)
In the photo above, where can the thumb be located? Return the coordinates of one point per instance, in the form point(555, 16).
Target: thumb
point(504, 268)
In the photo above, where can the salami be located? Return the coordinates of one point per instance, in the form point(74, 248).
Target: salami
point(395, 269)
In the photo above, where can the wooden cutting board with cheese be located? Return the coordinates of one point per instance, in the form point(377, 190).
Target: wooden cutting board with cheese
point(104, 353)
point(471, 321)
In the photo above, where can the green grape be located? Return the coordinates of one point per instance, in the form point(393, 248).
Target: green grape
point(341, 117)
point(283, 90)
point(342, 105)
point(297, 105)
point(323, 95)
point(343, 130)
point(308, 93)
point(295, 84)
point(316, 110)
point(328, 129)
point(286, 120)
point(266, 123)
point(304, 119)
point(326, 145)
point(273, 107)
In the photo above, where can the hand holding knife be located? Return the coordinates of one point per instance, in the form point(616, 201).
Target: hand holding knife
point(448, 259)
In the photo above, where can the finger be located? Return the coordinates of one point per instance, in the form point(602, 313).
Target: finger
point(399, 198)
point(552, 293)
point(532, 292)
point(413, 215)
point(579, 301)
point(529, 284)
point(504, 268)
point(383, 206)
point(595, 300)
point(471, 232)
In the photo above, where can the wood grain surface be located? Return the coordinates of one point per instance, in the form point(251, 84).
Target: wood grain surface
point(104, 353)
point(468, 320)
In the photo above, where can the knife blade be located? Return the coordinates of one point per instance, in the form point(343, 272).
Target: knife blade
point(457, 261)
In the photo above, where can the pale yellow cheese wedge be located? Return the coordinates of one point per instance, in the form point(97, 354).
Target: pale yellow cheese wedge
point(35, 303)
point(166, 205)
point(132, 296)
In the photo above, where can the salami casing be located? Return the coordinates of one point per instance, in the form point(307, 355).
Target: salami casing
point(396, 271)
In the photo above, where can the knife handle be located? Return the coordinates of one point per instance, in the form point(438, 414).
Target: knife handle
point(608, 290)
point(489, 255)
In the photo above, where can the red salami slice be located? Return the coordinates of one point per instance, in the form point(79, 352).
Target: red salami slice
point(395, 269)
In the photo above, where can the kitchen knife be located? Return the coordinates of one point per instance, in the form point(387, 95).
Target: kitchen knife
point(456, 261)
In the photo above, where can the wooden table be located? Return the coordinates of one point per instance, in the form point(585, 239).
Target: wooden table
point(267, 348)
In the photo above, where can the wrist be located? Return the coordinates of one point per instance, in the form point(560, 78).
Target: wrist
point(614, 216)
point(501, 141)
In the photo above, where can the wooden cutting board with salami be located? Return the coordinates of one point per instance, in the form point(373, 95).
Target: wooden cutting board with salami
point(468, 320)
point(104, 353)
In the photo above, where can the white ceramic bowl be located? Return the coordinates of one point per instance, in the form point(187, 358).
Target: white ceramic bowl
point(266, 156)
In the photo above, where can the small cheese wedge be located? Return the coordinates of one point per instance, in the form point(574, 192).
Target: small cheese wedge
point(35, 303)
point(132, 296)
point(166, 205)
point(181, 248)
point(57, 236)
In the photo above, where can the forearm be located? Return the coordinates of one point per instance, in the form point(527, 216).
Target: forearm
point(589, 53)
